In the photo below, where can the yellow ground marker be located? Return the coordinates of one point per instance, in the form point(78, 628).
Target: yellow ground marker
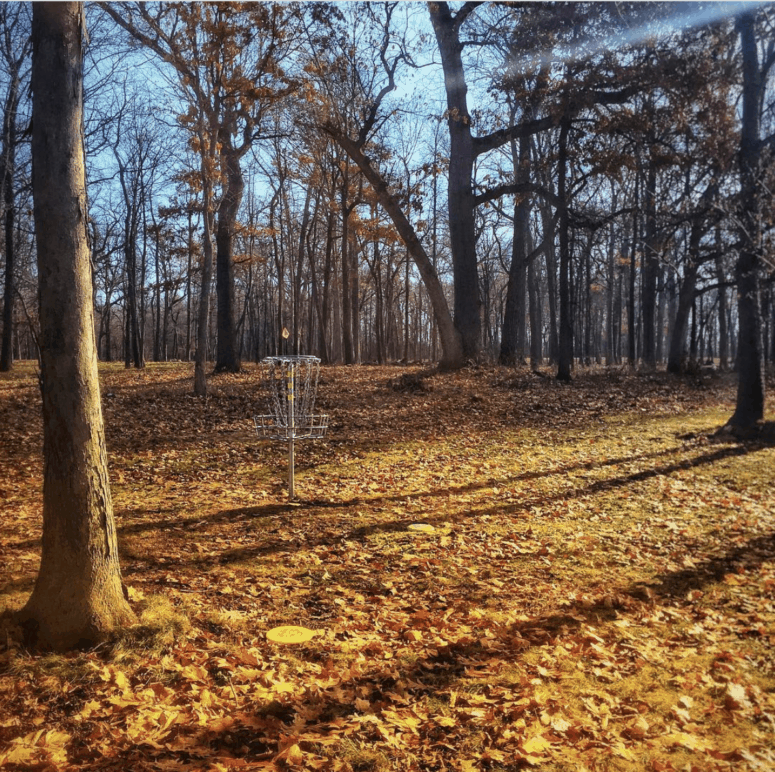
point(290, 634)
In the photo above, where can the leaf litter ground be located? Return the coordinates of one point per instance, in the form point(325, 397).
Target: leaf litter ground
point(597, 591)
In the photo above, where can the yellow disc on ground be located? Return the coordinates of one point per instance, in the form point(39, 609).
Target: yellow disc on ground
point(422, 527)
point(290, 634)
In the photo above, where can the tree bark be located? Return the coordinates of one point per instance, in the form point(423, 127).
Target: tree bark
point(78, 596)
point(565, 353)
point(227, 354)
point(749, 408)
point(461, 201)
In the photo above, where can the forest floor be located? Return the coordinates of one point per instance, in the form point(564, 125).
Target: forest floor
point(597, 590)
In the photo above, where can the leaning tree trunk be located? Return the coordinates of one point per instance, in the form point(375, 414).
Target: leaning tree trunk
point(78, 596)
point(451, 343)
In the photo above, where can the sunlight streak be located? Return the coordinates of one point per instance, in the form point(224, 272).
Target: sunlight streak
point(698, 16)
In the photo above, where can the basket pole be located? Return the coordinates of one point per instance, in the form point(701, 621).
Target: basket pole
point(291, 430)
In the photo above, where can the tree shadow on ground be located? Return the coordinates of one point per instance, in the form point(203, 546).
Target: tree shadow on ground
point(335, 533)
point(256, 736)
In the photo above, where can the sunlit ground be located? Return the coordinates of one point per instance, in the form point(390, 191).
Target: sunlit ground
point(596, 591)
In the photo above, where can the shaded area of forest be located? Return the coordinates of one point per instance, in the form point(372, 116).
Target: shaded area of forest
point(597, 592)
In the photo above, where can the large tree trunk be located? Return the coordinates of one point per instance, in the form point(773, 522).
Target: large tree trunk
point(78, 596)
point(750, 387)
point(227, 352)
point(461, 202)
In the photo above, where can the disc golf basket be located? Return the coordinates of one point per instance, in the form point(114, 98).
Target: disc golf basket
point(291, 384)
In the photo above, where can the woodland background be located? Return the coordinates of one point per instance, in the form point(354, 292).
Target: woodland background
point(593, 584)
point(594, 173)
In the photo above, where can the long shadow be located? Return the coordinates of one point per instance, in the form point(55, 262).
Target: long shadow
point(442, 668)
point(271, 510)
point(498, 481)
point(434, 673)
point(335, 535)
point(268, 547)
point(302, 507)
point(676, 584)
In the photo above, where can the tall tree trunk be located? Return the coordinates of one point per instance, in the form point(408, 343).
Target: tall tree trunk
point(565, 353)
point(451, 341)
point(9, 201)
point(461, 202)
point(78, 596)
point(749, 408)
point(650, 269)
point(227, 351)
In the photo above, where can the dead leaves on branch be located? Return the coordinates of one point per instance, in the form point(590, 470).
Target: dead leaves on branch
point(596, 592)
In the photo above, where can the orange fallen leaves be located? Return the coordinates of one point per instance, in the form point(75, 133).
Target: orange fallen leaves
point(590, 589)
